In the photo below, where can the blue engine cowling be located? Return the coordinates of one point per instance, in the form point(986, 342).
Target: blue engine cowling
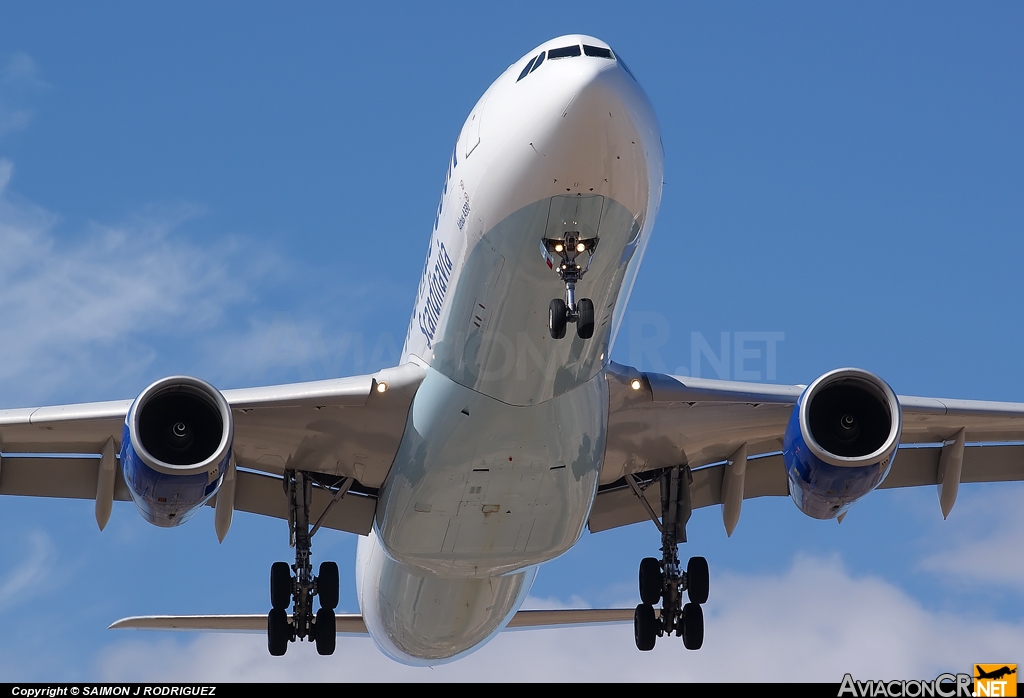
point(840, 441)
point(175, 448)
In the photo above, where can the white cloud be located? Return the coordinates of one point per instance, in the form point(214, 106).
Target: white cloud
point(6, 171)
point(18, 74)
point(89, 306)
point(13, 119)
point(77, 305)
point(985, 553)
point(93, 307)
point(812, 623)
point(301, 347)
point(21, 69)
point(24, 581)
point(537, 603)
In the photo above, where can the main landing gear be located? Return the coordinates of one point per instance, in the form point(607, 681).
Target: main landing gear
point(299, 589)
point(560, 312)
point(663, 580)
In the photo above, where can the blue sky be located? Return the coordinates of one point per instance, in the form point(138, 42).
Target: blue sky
point(244, 192)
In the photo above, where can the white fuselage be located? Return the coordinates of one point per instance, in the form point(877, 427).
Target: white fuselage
point(499, 464)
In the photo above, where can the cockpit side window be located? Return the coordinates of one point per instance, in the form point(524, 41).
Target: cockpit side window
point(618, 59)
point(565, 52)
point(540, 59)
point(526, 70)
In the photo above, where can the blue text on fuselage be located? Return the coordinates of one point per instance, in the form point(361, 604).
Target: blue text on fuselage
point(452, 162)
point(437, 289)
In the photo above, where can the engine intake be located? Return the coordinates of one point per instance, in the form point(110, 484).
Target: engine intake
point(175, 448)
point(840, 441)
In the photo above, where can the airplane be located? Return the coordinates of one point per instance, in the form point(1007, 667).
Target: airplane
point(994, 674)
point(506, 429)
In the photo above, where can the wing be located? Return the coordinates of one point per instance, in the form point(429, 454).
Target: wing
point(352, 623)
point(670, 420)
point(341, 428)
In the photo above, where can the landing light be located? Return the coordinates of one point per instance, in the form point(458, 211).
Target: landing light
point(558, 247)
point(635, 384)
point(382, 387)
point(580, 247)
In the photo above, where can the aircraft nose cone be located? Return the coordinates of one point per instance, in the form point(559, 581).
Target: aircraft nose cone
point(597, 133)
point(599, 83)
point(584, 90)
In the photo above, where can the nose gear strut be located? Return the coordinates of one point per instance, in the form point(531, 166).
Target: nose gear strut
point(663, 579)
point(299, 590)
point(562, 255)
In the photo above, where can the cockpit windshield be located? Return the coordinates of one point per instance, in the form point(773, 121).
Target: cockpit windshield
point(565, 52)
point(597, 51)
point(569, 52)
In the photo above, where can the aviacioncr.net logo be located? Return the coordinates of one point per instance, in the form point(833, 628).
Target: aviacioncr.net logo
point(943, 686)
point(995, 680)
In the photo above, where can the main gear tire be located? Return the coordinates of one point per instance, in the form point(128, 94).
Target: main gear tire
point(651, 581)
point(645, 627)
point(697, 580)
point(280, 585)
point(328, 584)
point(279, 632)
point(326, 631)
point(693, 626)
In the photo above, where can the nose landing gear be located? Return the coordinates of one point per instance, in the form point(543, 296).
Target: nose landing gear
point(562, 255)
point(664, 579)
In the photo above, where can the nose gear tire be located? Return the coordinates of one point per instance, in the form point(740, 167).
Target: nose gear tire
point(585, 323)
point(557, 318)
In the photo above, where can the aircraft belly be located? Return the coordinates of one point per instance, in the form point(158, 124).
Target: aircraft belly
point(418, 618)
point(481, 488)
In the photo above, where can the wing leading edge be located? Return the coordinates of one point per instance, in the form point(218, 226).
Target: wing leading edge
point(352, 623)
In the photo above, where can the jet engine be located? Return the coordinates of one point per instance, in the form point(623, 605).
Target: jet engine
point(175, 448)
point(840, 441)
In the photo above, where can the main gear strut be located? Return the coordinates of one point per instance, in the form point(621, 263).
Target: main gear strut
point(664, 579)
point(299, 590)
point(562, 255)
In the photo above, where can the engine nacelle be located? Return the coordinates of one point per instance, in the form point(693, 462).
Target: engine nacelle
point(175, 448)
point(840, 441)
